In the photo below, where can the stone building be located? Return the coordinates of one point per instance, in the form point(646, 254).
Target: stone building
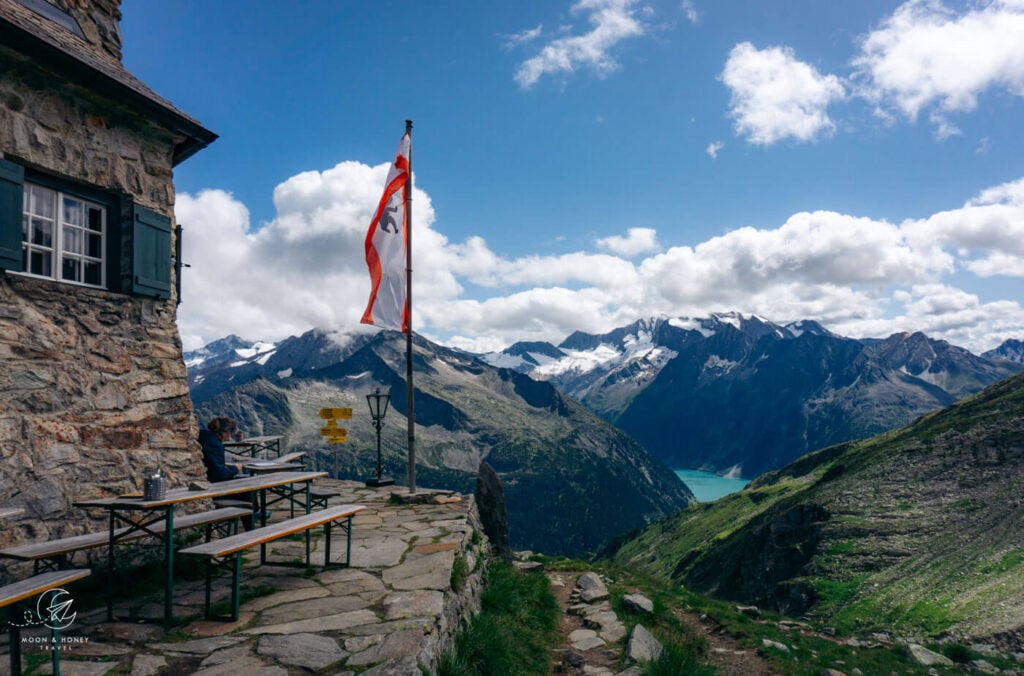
point(93, 391)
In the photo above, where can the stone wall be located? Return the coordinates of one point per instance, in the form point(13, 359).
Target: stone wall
point(93, 389)
point(100, 21)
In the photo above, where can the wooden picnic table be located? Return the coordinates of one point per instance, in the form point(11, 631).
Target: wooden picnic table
point(140, 514)
point(255, 446)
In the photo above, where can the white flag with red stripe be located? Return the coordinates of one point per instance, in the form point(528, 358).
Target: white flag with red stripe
point(387, 249)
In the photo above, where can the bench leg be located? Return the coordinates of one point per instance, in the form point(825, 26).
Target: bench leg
point(169, 553)
point(15, 640)
point(209, 582)
point(236, 583)
point(327, 544)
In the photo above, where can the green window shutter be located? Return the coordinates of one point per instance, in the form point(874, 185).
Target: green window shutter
point(12, 180)
point(151, 253)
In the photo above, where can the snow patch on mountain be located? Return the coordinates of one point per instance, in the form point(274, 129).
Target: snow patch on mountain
point(719, 365)
point(688, 324)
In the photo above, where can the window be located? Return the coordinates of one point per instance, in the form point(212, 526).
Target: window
point(63, 237)
point(52, 228)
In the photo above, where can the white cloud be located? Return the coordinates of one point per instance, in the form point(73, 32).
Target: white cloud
point(612, 21)
point(859, 276)
point(523, 37)
point(713, 148)
point(926, 56)
point(774, 96)
point(637, 241)
point(692, 15)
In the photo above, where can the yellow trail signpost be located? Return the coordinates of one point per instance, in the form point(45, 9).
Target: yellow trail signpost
point(333, 433)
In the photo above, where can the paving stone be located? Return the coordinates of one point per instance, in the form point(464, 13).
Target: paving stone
point(218, 627)
point(250, 666)
point(403, 666)
point(421, 623)
point(374, 553)
point(427, 572)
point(302, 650)
point(336, 622)
point(358, 580)
point(75, 668)
point(418, 603)
point(358, 644)
point(147, 665)
point(226, 655)
point(318, 607)
point(281, 598)
point(397, 644)
point(202, 646)
point(129, 631)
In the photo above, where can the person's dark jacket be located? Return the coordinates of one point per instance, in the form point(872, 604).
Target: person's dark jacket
point(213, 457)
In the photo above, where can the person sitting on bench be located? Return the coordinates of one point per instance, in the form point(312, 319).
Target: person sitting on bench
point(212, 440)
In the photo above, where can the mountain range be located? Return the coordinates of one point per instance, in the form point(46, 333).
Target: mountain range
point(915, 532)
point(571, 479)
point(739, 394)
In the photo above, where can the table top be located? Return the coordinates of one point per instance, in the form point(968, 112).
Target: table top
point(249, 441)
point(216, 490)
point(257, 466)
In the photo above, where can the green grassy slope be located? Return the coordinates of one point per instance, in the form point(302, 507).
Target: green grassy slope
point(917, 531)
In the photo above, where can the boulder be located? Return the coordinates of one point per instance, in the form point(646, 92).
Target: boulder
point(642, 646)
point(637, 603)
point(926, 657)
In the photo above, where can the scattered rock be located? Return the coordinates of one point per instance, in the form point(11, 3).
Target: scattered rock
point(749, 611)
point(926, 657)
point(832, 672)
point(768, 643)
point(983, 666)
point(591, 588)
point(529, 566)
point(637, 603)
point(585, 639)
point(642, 646)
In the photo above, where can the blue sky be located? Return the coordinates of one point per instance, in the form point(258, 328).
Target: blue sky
point(582, 164)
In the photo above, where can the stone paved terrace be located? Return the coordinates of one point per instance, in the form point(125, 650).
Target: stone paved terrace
point(391, 612)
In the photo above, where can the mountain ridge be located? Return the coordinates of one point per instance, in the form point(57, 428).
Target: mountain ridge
point(559, 462)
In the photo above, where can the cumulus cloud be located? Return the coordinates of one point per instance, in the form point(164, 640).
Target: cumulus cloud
point(713, 148)
point(774, 96)
point(637, 241)
point(611, 21)
point(859, 276)
point(925, 56)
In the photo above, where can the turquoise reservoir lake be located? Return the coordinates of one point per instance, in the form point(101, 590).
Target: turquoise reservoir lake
point(707, 486)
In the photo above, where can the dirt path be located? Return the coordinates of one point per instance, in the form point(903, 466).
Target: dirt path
point(723, 653)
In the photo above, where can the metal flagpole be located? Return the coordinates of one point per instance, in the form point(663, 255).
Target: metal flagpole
point(408, 334)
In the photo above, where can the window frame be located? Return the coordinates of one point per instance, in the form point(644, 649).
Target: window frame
point(109, 206)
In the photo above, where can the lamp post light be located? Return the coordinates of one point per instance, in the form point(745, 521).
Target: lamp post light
point(378, 409)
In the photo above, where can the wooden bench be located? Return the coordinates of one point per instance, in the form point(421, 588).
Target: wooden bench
point(56, 554)
point(17, 593)
point(319, 495)
point(226, 552)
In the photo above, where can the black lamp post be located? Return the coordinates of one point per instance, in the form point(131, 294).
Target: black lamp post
point(378, 409)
